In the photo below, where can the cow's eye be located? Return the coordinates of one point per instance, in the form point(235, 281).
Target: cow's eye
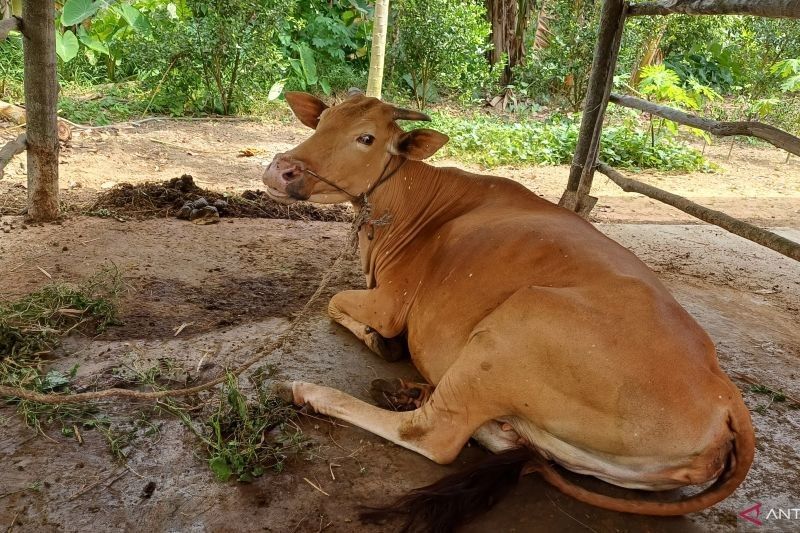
point(366, 139)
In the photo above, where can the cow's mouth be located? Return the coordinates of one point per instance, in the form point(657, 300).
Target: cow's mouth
point(280, 197)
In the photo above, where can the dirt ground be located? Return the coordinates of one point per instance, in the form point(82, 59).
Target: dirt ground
point(238, 284)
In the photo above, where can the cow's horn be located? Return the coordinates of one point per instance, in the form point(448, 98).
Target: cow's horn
point(408, 114)
point(354, 91)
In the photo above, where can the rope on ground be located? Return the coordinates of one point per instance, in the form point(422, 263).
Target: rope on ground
point(263, 351)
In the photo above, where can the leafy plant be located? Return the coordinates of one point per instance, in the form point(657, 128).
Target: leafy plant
point(493, 141)
point(789, 72)
point(442, 45)
point(245, 438)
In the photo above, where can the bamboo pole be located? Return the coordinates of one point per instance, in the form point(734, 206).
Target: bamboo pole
point(378, 53)
point(41, 104)
point(771, 134)
point(750, 232)
point(761, 8)
point(612, 22)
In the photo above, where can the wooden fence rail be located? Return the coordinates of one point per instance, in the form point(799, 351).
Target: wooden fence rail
point(771, 134)
point(761, 8)
point(743, 229)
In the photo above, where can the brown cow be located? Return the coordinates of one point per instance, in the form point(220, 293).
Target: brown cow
point(536, 330)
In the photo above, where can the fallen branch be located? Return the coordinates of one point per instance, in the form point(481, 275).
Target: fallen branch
point(758, 235)
point(761, 8)
point(17, 146)
point(8, 25)
point(771, 134)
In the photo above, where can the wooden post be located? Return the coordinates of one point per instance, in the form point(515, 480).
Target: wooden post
point(751, 128)
point(750, 232)
point(612, 22)
point(761, 8)
point(41, 103)
point(378, 53)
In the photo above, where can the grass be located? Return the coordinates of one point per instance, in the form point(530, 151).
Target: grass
point(244, 438)
point(34, 324)
point(32, 327)
point(774, 396)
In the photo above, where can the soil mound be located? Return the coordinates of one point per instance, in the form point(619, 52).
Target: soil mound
point(156, 200)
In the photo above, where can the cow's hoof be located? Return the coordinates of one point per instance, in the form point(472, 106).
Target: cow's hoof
point(283, 390)
point(398, 395)
point(389, 349)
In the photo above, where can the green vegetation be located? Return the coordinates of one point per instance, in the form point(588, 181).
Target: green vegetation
point(492, 140)
point(243, 437)
point(33, 326)
point(121, 59)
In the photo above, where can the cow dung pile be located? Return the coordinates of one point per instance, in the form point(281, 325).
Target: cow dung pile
point(181, 197)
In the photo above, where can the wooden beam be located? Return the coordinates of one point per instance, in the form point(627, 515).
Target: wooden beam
point(760, 8)
point(41, 105)
point(758, 235)
point(771, 134)
point(12, 148)
point(612, 22)
point(8, 25)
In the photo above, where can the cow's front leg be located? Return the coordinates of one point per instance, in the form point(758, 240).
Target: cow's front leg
point(374, 317)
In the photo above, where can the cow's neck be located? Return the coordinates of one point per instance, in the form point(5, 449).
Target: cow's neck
point(415, 198)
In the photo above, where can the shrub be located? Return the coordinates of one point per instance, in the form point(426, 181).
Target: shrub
point(441, 46)
point(493, 141)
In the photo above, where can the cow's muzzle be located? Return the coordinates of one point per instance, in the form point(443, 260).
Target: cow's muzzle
point(283, 179)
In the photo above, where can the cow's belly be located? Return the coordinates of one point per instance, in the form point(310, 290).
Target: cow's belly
point(651, 472)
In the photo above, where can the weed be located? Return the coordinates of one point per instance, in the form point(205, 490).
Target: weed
point(245, 438)
point(775, 395)
point(34, 324)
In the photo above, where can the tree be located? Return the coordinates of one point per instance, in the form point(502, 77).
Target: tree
point(509, 19)
point(375, 81)
point(41, 102)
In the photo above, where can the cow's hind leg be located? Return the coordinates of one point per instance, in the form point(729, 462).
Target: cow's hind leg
point(438, 430)
point(370, 315)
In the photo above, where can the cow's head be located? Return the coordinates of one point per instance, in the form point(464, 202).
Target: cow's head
point(352, 146)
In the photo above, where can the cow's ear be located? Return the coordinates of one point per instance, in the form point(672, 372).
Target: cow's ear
point(419, 144)
point(306, 107)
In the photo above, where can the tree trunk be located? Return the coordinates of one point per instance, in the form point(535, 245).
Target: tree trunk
point(378, 52)
point(612, 22)
point(41, 102)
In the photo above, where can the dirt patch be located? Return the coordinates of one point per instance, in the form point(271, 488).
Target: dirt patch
point(258, 272)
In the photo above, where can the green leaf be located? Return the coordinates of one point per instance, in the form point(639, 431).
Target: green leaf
point(76, 11)
point(308, 63)
point(220, 468)
point(276, 90)
point(134, 18)
point(326, 87)
point(54, 379)
point(91, 41)
point(66, 46)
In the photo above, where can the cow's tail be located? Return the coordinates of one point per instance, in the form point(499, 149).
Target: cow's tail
point(460, 497)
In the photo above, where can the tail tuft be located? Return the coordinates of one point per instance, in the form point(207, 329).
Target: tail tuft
point(457, 498)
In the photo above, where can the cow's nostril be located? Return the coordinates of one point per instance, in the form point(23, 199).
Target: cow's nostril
point(290, 174)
